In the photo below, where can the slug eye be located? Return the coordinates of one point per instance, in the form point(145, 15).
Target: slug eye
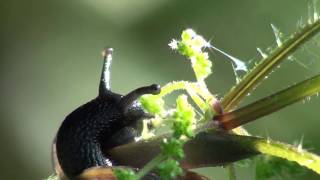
point(155, 89)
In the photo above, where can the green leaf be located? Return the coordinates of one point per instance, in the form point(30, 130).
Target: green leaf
point(185, 50)
point(270, 166)
point(172, 148)
point(169, 169)
point(183, 118)
point(153, 104)
point(53, 177)
point(125, 174)
point(245, 163)
point(201, 65)
point(191, 45)
point(187, 34)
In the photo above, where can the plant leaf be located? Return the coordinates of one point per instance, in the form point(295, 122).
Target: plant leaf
point(269, 166)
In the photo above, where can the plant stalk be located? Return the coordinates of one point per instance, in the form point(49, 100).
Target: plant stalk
point(269, 104)
point(264, 68)
point(288, 152)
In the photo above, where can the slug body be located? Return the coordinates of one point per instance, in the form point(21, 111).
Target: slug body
point(107, 121)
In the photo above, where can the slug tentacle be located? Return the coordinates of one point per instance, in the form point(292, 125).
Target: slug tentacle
point(104, 86)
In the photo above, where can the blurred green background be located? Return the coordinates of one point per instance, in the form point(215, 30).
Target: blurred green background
point(51, 61)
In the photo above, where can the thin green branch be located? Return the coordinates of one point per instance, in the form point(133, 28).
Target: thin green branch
point(270, 104)
point(149, 166)
point(258, 73)
point(185, 85)
point(288, 152)
point(231, 172)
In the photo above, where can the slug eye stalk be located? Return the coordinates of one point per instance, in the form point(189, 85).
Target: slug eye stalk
point(104, 87)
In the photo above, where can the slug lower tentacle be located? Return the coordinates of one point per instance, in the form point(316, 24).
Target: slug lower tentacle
point(107, 121)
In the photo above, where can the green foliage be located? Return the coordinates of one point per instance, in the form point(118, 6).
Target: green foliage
point(169, 169)
point(125, 174)
point(244, 163)
point(172, 148)
point(270, 166)
point(153, 104)
point(184, 118)
point(53, 177)
point(191, 46)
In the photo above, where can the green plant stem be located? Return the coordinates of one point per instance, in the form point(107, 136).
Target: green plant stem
point(173, 86)
point(288, 152)
point(197, 99)
point(185, 85)
point(196, 90)
point(269, 104)
point(151, 165)
point(260, 71)
point(231, 172)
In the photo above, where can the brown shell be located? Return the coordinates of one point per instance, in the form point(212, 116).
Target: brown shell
point(97, 173)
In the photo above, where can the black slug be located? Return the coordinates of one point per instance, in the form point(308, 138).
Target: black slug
point(105, 122)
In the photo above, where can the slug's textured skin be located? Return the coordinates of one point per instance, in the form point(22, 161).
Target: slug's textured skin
point(101, 124)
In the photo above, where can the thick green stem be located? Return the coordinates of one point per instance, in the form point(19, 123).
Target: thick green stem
point(270, 104)
point(288, 152)
point(231, 172)
point(260, 71)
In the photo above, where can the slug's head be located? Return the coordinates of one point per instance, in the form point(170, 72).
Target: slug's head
point(131, 109)
point(130, 106)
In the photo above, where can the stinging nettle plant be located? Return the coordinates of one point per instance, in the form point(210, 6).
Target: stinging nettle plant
point(206, 131)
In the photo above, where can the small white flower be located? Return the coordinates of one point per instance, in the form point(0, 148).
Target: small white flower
point(191, 33)
point(193, 60)
point(206, 55)
point(173, 44)
point(199, 42)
